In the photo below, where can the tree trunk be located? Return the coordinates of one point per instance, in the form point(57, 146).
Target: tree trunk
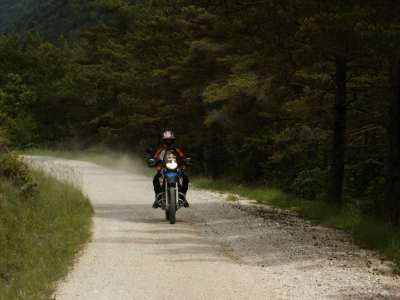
point(392, 195)
point(336, 170)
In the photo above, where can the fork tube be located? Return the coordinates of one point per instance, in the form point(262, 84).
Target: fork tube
point(166, 194)
point(177, 194)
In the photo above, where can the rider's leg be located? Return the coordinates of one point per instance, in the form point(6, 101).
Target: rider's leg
point(185, 184)
point(156, 183)
point(184, 188)
point(157, 188)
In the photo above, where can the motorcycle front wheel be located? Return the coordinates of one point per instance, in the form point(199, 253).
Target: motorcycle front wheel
point(171, 211)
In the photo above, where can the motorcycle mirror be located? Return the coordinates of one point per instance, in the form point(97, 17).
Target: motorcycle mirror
point(152, 162)
point(188, 161)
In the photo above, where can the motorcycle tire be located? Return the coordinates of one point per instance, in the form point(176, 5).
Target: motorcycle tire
point(172, 206)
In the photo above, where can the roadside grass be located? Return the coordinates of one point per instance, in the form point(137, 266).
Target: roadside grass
point(367, 232)
point(40, 235)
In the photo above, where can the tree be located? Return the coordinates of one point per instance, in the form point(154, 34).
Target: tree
point(392, 196)
point(332, 38)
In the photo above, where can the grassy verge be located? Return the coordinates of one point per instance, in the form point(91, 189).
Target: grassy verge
point(39, 236)
point(367, 232)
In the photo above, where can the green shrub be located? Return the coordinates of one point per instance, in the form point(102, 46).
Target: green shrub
point(13, 169)
point(364, 178)
point(309, 184)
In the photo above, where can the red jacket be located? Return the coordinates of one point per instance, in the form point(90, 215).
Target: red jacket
point(159, 155)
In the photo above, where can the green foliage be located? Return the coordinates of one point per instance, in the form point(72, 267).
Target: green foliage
point(248, 87)
point(39, 238)
point(11, 10)
point(243, 84)
point(15, 95)
point(15, 100)
point(310, 183)
point(51, 18)
point(17, 172)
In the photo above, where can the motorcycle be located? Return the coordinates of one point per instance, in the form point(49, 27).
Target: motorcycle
point(171, 199)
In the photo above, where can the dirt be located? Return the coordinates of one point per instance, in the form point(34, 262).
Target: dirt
point(217, 250)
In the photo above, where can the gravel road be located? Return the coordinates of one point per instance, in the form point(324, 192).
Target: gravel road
point(217, 249)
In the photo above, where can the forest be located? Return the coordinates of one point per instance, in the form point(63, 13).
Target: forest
point(302, 95)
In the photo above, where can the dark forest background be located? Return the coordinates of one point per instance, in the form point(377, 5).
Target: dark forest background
point(299, 94)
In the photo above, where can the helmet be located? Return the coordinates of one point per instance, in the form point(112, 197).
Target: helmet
point(168, 137)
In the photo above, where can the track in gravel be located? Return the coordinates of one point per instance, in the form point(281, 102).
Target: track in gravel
point(217, 250)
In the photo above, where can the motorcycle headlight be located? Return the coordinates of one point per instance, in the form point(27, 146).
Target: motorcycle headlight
point(172, 165)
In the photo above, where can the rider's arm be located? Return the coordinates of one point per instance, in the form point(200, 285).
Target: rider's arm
point(180, 153)
point(157, 158)
point(157, 153)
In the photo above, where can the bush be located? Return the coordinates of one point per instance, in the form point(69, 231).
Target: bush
point(374, 203)
point(364, 178)
point(17, 172)
point(309, 183)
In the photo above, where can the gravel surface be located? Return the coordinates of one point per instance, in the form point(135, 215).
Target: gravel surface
point(217, 249)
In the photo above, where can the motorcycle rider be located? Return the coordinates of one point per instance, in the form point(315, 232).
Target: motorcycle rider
point(168, 138)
